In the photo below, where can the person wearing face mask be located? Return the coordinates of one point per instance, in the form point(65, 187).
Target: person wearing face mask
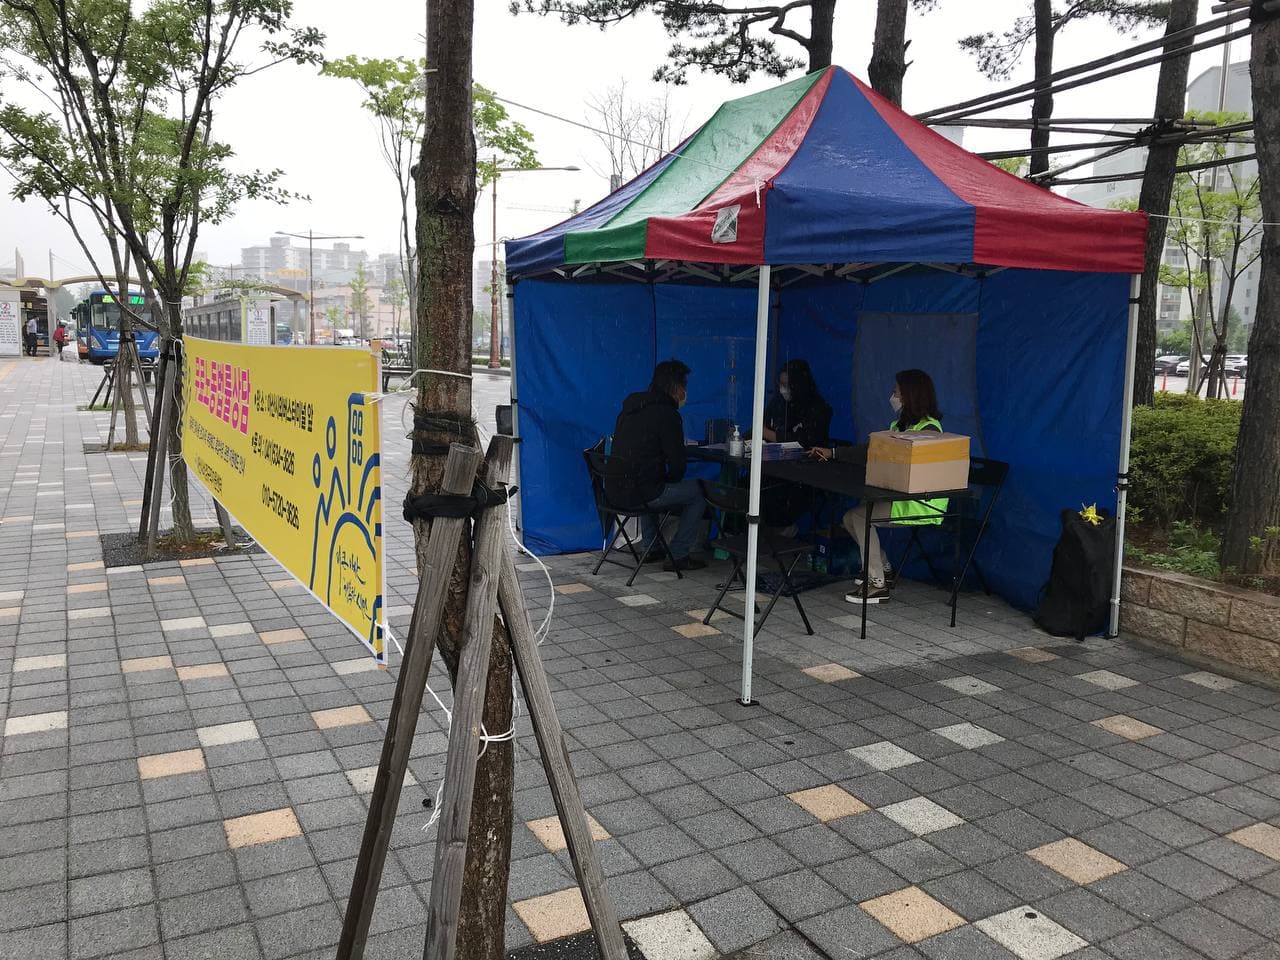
point(649, 436)
point(915, 404)
point(797, 413)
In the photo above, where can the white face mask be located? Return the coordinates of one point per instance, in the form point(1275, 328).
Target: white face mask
point(896, 402)
point(785, 392)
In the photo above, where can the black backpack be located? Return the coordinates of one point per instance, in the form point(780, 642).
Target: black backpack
point(1077, 599)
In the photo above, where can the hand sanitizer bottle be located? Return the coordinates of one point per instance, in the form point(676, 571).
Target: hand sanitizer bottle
point(735, 443)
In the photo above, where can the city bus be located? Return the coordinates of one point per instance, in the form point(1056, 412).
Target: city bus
point(97, 320)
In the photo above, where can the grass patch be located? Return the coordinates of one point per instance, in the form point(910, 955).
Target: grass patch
point(100, 408)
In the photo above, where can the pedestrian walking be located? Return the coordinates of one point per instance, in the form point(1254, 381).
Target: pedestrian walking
point(31, 337)
point(60, 337)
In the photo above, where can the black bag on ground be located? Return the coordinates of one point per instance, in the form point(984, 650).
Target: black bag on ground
point(1077, 599)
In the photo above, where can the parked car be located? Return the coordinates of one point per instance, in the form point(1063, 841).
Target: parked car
point(1168, 364)
point(1237, 365)
point(1184, 368)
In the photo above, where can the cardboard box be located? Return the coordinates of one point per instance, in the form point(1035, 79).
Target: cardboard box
point(918, 461)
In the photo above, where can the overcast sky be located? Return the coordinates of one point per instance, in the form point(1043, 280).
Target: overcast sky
point(313, 127)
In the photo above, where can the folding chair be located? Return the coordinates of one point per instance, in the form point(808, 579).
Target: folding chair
point(966, 522)
point(733, 502)
point(614, 517)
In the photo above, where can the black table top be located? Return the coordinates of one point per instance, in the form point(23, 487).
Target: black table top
point(844, 477)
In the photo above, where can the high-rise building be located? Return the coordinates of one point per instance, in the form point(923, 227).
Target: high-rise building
point(334, 264)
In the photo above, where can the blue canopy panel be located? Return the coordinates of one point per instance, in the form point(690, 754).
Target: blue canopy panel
point(1049, 360)
point(854, 192)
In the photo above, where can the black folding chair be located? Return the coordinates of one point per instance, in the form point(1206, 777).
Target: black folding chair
point(786, 552)
point(965, 522)
point(614, 517)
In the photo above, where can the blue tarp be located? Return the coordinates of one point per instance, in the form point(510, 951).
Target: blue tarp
point(1048, 366)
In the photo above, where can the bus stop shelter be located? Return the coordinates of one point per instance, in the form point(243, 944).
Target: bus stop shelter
point(816, 220)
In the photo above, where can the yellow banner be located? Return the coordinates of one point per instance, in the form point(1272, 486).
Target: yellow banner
point(286, 439)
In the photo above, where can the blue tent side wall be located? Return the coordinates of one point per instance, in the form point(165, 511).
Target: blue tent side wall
point(1050, 373)
point(1049, 356)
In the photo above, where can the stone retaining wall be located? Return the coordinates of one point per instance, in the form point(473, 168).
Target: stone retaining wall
point(1202, 620)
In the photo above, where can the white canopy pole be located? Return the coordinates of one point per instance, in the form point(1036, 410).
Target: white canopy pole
point(753, 501)
point(1126, 430)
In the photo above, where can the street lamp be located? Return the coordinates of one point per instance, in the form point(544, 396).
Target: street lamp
point(311, 238)
point(495, 338)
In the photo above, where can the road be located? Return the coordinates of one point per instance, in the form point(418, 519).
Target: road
point(1179, 385)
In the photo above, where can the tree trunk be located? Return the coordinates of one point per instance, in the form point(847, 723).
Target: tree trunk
point(1156, 195)
point(1255, 503)
point(1042, 105)
point(184, 529)
point(821, 25)
point(446, 199)
point(889, 50)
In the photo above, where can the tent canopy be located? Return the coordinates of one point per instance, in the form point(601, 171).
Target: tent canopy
point(873, 244)
point(823, 170)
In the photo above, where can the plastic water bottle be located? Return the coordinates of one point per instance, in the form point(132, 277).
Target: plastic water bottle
point(735, 443)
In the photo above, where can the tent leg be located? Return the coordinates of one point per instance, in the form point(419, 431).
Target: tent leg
point(757, 456)
point(1126, 430)
point(518, 517)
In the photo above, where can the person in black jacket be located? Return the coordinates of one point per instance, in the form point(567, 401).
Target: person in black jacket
point(797, 413)
point(649, 436)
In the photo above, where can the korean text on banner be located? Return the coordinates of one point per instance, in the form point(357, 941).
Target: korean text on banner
point(288, 441)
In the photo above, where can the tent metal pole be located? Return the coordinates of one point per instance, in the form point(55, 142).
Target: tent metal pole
point(518, 519)
point(1126, 431)
point(753, 500)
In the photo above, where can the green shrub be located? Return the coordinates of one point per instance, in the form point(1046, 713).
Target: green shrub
point(1181, 460)
point(1189, 550)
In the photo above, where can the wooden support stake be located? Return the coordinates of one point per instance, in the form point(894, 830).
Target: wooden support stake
point(555, 759)
point(468, 709)
point(224, 521)
point(107, 373)
point(142, 383)
point(168, 405)
point(433, 586)
point(115, 404)
point(145, 517)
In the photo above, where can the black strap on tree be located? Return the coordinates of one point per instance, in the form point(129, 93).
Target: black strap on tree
point(447, 423)
point(430, 506)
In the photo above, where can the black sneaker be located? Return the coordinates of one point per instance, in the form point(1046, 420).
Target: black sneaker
point(683, 563)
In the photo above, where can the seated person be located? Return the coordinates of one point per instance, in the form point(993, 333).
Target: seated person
point(916, 405)
point(649, 435)
point(797, 411)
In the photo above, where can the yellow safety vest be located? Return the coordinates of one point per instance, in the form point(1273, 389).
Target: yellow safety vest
point(919, 511)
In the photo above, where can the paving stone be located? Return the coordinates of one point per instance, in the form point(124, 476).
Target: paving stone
point(834, 932)
point(114, 933)
point(1029, 934)
point(735, 919)
point(1210, 933)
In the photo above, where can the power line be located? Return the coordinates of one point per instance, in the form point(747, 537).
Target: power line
point(1139, 174)
point(1104, 75)
point(617, 136)
point(1043, 86)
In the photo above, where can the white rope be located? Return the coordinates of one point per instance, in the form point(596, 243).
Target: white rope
point(1245, 221)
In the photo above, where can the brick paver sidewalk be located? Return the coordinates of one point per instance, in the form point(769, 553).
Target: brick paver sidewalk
point(187, 750)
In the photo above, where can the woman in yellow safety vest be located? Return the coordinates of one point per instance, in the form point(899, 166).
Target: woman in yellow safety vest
point(916, 404)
